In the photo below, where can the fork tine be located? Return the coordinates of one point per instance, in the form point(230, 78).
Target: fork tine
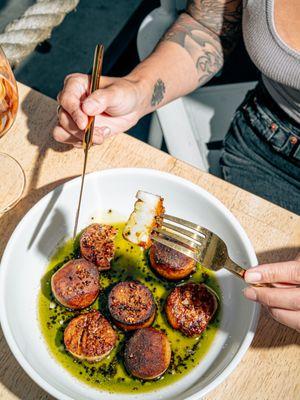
point(180, 239)
point(175, 246)
point(187, 224)
point(195, 236)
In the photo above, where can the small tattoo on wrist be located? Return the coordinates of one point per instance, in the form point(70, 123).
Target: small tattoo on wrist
point(158, 92)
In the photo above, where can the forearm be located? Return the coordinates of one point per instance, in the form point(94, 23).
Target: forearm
point(189, 54)
point(165, 75)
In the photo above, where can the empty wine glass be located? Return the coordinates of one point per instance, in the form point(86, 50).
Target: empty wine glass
point(12, 177)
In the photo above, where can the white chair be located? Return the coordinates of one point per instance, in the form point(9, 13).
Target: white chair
point(190, 123)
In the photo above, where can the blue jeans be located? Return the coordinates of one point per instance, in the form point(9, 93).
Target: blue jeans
point(262, 151)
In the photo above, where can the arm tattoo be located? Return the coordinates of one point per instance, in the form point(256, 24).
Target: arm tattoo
point(158, 93)
point(222, 17)
point(208, 30)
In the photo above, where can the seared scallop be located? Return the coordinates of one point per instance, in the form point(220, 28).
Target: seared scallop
point(76, 284)
point(147, 354)
point(169, 263)
point(131, 305)
point(190, 308)
point(90, 337)
point(97, 245)
point(146, 216)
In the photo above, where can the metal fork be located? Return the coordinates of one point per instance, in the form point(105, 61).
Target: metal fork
point(198, 243)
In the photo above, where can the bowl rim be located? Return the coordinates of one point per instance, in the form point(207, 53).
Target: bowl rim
point(32, 373)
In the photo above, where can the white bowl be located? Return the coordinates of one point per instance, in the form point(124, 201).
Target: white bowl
point(51, 220)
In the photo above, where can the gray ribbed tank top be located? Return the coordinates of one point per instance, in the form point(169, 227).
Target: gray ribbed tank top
point(279, 64)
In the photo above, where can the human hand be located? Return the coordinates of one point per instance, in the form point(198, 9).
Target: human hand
point(282, 300)
point(117, 106)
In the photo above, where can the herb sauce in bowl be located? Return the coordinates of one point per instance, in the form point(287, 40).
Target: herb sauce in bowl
point(130, 263)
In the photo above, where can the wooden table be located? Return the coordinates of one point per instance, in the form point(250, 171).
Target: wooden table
point(271, 368)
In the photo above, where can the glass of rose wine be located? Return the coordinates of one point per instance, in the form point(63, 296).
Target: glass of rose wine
point(12, 177)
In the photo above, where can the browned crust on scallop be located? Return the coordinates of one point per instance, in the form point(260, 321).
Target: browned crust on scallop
point(147, 354)
point(169, 263)
point(131, 305)
point(76, 284)
point(89, 337)
point(133, 327)
point(97, 245)
point(190, 307)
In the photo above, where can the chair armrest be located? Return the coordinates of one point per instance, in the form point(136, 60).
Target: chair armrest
point(179, 135)
point(152, 29)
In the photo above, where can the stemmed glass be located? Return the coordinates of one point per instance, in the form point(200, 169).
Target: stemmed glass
point(12, 177)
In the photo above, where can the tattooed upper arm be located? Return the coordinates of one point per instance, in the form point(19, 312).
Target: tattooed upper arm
point(222, 17)
point(208, 30)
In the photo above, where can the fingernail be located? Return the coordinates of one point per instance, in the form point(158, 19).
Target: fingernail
point(252, 277)
point(250, 293)
point(90, 105)
point(105, 131)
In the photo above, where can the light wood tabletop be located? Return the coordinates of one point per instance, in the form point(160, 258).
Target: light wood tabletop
point(271, 367)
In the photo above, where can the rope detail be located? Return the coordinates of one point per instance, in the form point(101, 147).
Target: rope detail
point(22, 35)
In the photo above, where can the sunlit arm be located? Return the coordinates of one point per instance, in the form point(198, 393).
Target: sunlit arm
point(191, 52)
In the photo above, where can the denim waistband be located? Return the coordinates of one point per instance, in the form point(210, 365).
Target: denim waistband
point(271, 123)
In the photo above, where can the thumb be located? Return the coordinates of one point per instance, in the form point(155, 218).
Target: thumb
point(288, 271)
point(97, 102)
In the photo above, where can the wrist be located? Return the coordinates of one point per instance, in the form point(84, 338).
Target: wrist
point(143, 90)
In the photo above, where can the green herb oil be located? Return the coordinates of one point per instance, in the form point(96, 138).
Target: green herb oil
point(130, 262)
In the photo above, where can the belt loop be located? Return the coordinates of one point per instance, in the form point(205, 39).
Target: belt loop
point(295, 153)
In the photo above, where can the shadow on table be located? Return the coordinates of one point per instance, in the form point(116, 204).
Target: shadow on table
point(44, 142)
point(276, 255)
point(272, 334)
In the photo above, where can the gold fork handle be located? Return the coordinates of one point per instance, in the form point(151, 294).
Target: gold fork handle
point(240, 272)
point(234, 268)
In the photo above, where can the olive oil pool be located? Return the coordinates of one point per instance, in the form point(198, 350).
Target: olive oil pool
point(130, 263)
